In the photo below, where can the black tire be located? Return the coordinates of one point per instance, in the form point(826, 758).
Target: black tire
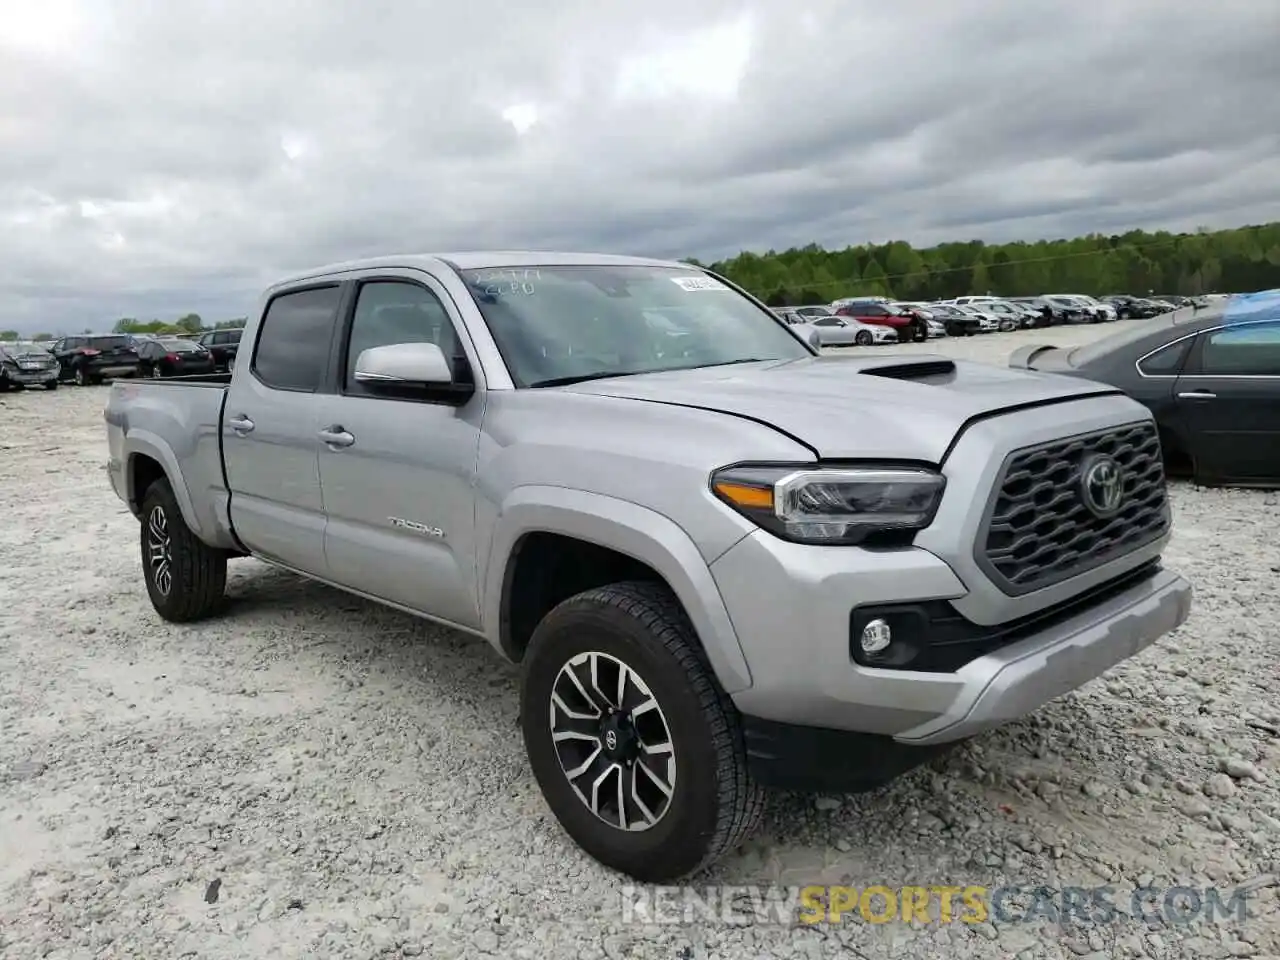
point(863, 338)
point(51, 385)
point(80, 377)
point(197, 572)
point(714, 804)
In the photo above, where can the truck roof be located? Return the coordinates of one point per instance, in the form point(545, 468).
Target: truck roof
point(479, 259)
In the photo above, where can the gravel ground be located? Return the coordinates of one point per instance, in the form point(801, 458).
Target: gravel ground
point(344, 781)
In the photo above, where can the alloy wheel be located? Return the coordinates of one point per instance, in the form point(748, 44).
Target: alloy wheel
point(159, 556)
point(613, 742)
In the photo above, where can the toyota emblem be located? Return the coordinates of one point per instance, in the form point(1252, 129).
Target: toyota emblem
point(1102, 485)
point(611, 740)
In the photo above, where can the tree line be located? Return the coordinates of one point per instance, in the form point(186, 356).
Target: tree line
point(188, 323)
point(1136, 262)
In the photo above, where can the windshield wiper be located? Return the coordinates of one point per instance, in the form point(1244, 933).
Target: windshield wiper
point(580, 378)
point(729, 363)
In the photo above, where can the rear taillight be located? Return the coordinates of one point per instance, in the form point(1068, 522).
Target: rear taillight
point(171, 357)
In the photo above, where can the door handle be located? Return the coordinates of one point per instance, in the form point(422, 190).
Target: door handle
point(1197, 395)
point(335, 436)
point(240, 424)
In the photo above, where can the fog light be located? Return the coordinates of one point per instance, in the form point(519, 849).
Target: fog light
point(876, 635)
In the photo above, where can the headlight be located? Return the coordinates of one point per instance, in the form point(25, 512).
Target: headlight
point(836, 505)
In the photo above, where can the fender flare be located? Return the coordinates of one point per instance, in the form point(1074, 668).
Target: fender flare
point(147, 444)
point(630, 529)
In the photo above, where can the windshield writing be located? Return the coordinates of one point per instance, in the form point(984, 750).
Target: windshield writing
point(554, 324)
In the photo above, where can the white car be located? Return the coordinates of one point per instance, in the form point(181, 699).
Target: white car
point(847, 332)
point(936, 328)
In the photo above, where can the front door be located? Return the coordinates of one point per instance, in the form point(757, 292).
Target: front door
point(269, 430)
point(399, 483)
point(1229, 399)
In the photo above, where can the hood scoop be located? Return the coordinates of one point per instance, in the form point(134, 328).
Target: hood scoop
point(920, 371)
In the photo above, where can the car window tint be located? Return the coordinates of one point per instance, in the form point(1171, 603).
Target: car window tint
point(1167, 360)
point(293, 347)
point(389, 311)
point(1252, 350)
point(827, 322)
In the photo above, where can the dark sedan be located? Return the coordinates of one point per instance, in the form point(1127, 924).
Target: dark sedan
point(1128, 307)
point(173, 357)
point(1210, 376)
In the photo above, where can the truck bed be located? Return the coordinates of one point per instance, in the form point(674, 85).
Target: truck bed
point(177, 423)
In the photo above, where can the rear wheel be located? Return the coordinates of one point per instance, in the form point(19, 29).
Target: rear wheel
point(863, 338)
point(81, 378)
point(186, 578)
point(637, 750)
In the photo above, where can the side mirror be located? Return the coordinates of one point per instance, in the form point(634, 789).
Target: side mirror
point(408, 367)
point(405, 363)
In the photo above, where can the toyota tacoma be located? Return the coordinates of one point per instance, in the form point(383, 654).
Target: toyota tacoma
point(723, 561)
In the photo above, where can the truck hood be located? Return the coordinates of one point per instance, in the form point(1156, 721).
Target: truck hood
point(896, 407)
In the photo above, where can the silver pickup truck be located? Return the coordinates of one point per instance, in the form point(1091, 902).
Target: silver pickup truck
point(723, 561)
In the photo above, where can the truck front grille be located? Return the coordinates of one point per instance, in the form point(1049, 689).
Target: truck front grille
point(1041, 528)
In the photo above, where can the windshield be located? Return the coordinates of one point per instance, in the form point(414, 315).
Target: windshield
point(1132, 332)
point(180, 346)
point(558, 324)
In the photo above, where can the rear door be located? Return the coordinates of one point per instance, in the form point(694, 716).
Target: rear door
point(269, 427)
point(398, 487)
point(1229, 399)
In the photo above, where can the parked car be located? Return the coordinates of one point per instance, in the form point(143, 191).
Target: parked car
point(1071, 310)
point(27, 365)
point(882, 313)
point(812, 312)
point(1091, 310)
point(986, 322)
point(1008, 316)
point(1211, 379)
point(957, 322)
point(1048, 313)
point(936, 328)
point(91, 358)
point(849, 331)
point(223, 344)
point(1128, 307)
point(173, 357)
point(640, 533)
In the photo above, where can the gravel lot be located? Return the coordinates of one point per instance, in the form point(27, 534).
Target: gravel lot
point(350, 782)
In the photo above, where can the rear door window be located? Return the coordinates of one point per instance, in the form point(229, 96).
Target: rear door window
point(294, 343)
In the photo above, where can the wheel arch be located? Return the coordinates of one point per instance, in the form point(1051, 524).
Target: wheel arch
point(631, 542)
point(147, 460)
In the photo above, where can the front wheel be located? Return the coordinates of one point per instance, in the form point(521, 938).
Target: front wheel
point(863, 338)
point(637, 750)
point(186, 578)
point(51, 385)
point(81, 378)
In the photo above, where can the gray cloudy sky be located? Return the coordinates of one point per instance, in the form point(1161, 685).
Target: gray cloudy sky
point(162, 158)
